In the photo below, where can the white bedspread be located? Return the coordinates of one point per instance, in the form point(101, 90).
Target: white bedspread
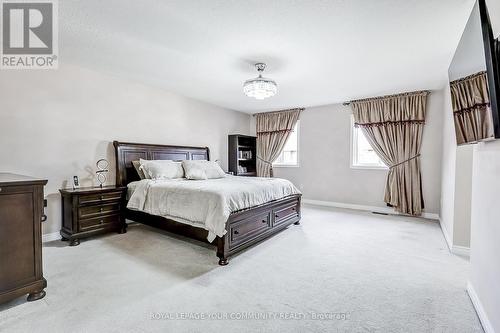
point(205, 203)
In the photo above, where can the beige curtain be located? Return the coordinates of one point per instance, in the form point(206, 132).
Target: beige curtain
point(273, 129)
point(471, 108)
point(393, 125)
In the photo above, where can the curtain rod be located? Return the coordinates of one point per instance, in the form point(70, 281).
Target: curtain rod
point(388, 96)
point(296, 109)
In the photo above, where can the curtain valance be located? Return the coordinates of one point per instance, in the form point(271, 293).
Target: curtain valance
point(277, 121)
point(392, 109)
point(470, 92)
point(471, 108)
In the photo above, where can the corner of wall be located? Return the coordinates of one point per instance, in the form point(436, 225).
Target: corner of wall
point(447, 209)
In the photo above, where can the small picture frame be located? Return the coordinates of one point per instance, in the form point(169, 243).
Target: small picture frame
point(76, 182)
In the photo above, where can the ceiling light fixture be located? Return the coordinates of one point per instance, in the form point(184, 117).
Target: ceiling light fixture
point(260, 87)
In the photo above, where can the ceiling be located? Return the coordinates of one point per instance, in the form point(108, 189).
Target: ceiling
point(318, 51)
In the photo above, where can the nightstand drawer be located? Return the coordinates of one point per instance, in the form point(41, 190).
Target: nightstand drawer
point(87, 212)
point(92, 199)
point(98, 222)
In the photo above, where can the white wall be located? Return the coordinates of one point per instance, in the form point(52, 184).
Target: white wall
point(56, 124)
point(485, 224)
point(463, 196)
point(485, 233)
point(456, 181)
point(469, 56)
point(449, 144)
point(494, 11)
point(324, 152)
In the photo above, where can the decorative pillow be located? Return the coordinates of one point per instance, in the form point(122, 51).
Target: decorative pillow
point(137, 167)
point(195, 173)
point(213, 170)
point(202, 170)
point(162, 169)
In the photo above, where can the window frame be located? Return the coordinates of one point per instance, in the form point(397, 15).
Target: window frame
point(297, 165)
point(354, 164)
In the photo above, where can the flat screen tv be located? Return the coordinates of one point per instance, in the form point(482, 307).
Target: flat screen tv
point(475, 80)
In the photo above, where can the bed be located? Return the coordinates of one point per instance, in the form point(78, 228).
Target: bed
point(243, 228)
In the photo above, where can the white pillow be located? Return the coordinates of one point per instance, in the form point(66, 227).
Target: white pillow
point(213, 170)
point(162, 169)
point(202, 170)
point(195, 173)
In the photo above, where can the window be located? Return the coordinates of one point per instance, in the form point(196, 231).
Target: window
point(290, 154)
point(362, 153)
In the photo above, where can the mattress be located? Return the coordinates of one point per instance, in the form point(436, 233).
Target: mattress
point(205, 203)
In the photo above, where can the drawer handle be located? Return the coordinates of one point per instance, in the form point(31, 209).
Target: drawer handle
point(101, 221)
point(276, 215)
point(102, 197)
point(264, 221)
point(102, 209)
point(293, 208)
point(236, 232)
point(0, 189)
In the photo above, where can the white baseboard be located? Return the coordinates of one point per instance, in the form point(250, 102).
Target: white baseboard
point(460, 250)
point(455, 249)
point(385, 210)
point(481, 313)
point(51, 237)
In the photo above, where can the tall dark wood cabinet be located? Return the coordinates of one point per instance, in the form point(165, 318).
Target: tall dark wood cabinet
point(242, 155)
point(21, 211)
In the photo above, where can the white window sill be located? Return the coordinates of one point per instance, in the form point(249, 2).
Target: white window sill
point(369, 167)
point(286, 166)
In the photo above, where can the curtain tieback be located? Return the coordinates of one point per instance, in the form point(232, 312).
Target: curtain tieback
point(411, 158)
point(265, 161)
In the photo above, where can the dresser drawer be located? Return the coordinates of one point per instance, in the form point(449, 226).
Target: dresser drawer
point(86, 212)
point(284, 213)
point(92, 199)
point(98, 222)
point(244, 230)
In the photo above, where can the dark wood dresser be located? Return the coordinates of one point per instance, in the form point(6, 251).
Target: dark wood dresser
point(90, 211)
point(21, 212)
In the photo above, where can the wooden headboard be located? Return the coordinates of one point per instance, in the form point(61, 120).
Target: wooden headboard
point(126, 152)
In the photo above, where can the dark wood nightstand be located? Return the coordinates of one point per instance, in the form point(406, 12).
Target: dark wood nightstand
point(90, 211)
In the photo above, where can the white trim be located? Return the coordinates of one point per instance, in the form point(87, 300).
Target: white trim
point(367, 167)
point(481, 313)
point(455, 249)
point(353, 153)
point(460, 250)
point(385, 210)
point(51, 237)
point(297, 165)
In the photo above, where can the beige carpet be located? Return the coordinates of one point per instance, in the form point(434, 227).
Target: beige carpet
point(339, 271)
